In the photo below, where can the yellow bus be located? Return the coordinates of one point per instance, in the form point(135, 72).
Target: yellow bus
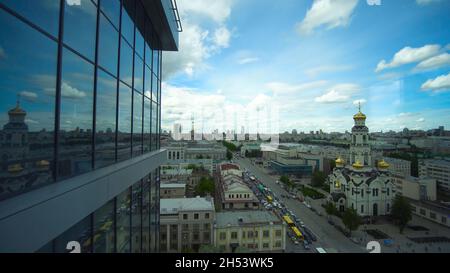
point(297, 233)
point(288, 221)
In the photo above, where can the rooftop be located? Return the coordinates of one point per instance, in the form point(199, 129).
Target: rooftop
point(172, 185)
point(253, 217)
point(175, 205)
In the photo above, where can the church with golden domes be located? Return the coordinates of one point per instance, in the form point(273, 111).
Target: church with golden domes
point(358, 184)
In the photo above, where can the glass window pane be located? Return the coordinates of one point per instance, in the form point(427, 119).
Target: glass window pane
point(127, 25)
point(124, 134)
point(80, 27)
point(80, 232)
point(137, 124)
point(126, 63)
point(156, 62)
point(138, 73)
point(27, 107)
point(104, 229)
point(112, 10)
point(148, 82)
point(147, 122)
point(146, 215)
point(154, 88)
point(136, 217)
point(76, 116)
point(123, 221)
point(154, 211)
point(108, 46)
point(44, 13)
point(154, 125)
point(105, 135)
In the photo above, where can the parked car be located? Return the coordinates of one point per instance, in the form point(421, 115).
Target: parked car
point(306, 245)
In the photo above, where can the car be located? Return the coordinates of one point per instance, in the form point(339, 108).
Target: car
point(296, 242)
point(301, 224)
point(331, 222)
point(306, 245)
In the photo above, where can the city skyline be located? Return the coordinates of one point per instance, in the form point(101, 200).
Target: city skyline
point(394, 62)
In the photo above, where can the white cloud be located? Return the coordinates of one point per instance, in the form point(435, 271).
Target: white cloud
point(420, 120)
point(434, 62)
point(248, 60)
point(70, 92)
point(200, 39)
point(222, 37)
point(339, 93)
point(359, 102)
point(426, 2)
point(315, 71)
point(283, 88)
point(329, 13)
point(439, 84)
point(217, 10)
point(409, 55)
point(29, 96)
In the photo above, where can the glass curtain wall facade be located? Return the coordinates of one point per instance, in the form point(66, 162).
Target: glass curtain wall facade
point(81, 89)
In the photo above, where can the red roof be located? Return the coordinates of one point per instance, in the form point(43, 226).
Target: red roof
point(229, 166)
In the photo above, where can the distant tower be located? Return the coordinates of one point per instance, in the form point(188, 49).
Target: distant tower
point(360, 148)
point(192, 130)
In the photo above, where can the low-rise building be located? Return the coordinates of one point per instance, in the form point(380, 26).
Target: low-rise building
point(399, 166)
point(423, 188)
point(186, 224)
point(438, 169)
point(231, 190)
point(433, 211)
point(172, 190)
point(253, 231)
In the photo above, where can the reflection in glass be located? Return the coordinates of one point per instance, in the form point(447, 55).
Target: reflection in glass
point(27, 107)
point(80, 232)
point(154, 125)
point(111, 8)
point(105, 135)
point(80, 27)
point(104, 229)
point(75, 136)
point(138, 73)
point(147, 123)
point(43, 13)
point(154, 88)
point(127, 26)
point(137, 124)
point(156, 62)
point(126, 63)
point(136, 217)
point(146, 215)
point(123, 221)
point(108, 46)
point(124, 133)
point(154, 211)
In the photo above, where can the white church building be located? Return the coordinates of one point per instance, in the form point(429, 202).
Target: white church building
point(359, 184)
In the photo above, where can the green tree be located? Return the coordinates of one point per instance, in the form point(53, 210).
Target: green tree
point(330, 209)
point(351, 219)
point(332, 164)
point(318, 178)
point(229, 155)
point(205, 186)
point(284, 179)
point(401, 212)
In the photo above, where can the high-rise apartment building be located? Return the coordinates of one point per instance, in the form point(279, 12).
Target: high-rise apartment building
point(80, 123)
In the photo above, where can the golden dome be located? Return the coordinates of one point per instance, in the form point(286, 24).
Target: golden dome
point(358, 165)
point(16, 168)
point(339, 161)
point(359, 116)
point(383, 164)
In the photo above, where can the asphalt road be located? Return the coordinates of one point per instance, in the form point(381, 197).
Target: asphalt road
point(328, 237)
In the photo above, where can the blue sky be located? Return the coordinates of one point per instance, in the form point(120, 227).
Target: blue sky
point(311, 62)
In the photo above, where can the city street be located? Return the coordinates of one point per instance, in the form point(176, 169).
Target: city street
point(328, 237)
